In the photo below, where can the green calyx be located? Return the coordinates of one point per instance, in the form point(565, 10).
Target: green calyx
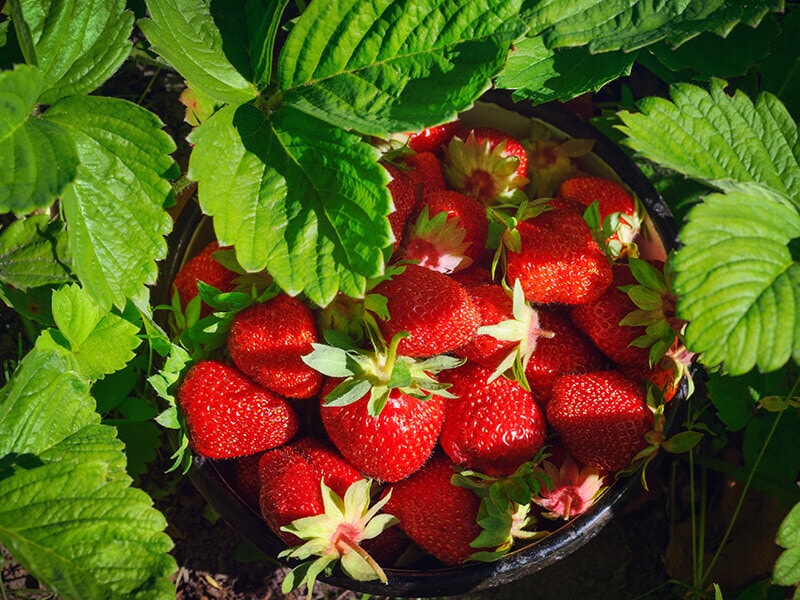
point(335, 536)
point(378, 373)
point(438, 242)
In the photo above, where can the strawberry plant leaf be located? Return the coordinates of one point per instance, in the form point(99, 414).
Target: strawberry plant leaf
point(541, 75)
point(94, 343)
point(114, 209)
point(208, 44)
point(627, 25)
point(38, 157)
point(79, 43)
point(303, 199)
point(23, 33)
point(737, 280)
point(718, 139)
point(780, 71)
point(33, 252)
point(370, 66)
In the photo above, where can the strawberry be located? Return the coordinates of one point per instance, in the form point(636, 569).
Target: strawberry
point(290, 478)
point(227, 415)
point(266, 342)
point(248, 482)
point(556, 259)
point(447, 233)
point(627, 333)
point(435, 310)
point(601, 417)
point(431, 139)
point(552, 161)
point(439, 516)
point(573, 489)
point(390, 445)
point(666, 374)
point(618, 212)
point(493, 425)
point(205, 268)
point(487, 164)
point(566, 351)
point(412, 176)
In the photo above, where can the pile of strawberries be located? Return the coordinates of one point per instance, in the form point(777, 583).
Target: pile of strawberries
point(515, 357)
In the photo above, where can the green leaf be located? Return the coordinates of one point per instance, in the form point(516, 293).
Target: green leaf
point(738, 282)
point(33, 253)
point(789, 530)
point(38, 157)
point(719, 139)
point(23, 33)
point(300, 198)
point(542, 75)
point(780, 71)
point(88, 534)
point(708, 55)
point(79, 43)
point(94, 342)
point(630, 24)
point(371, 65)
point(114, 209)
point(42, 404)
point(207, 43)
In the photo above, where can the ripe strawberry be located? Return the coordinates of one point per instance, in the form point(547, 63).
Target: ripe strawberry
point(435, 310)
point(601, 417)
point(431, 139)
point(566, 351)
point(490, 426)
point(474, 275)
point(601, 321)
point(266, 341)
point(666, 374)
point(439, 516)
point(390, 445)
point(205, 268)
point(413, 176)
point(487, 164)
point(290, 479)
point(556, 259)
point(227, 415)
point(614, 203)
point(447, 233)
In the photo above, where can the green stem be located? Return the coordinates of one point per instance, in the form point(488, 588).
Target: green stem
point(149, 86)
point(146, 58)
point(693, 520)
point(739, 504)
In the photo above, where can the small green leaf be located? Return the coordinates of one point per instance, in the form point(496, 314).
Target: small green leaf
point(787, 567)
point(331, 361)
point(23, 32)
point(541, 75)
point(38, 157)
point(300, 198)
point(737, 281)
point(682, 442)
point(114, 209)
point(371, 65)
point(719, 139)
point(33, 253)
point(789, 530)
point(207, 43)
point(347, 392)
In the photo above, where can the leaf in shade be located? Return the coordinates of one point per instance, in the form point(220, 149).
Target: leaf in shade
point(33, 253)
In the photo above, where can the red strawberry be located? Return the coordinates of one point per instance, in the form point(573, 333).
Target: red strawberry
point(556, 259)
point(390, 445)
point(248, 482)
point(227, 415)
point(495, 305)
point(602, 417)
point(435, 310)
point(600, 320)
point(490, 426)
point(487, 164)
point(567, 351)
point(205, 268)
point(472, 276)
point(266, 341)
point(614, 202)
point(431, 139)
point(447, 233)
point(412, 176)
point(439, 516)
point(290, 479)
point(667, 374)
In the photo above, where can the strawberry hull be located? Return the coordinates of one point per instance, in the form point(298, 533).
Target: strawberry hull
point(216, 479)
